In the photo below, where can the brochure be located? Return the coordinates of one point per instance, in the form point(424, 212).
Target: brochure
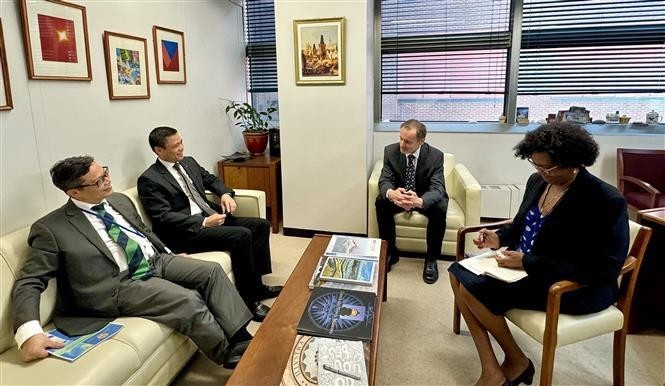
point(316, 282)
point(76, 346)
point(357, 247)
point(348, 270)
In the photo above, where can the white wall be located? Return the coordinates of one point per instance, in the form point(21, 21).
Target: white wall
point(52, 120)
point(326, 130)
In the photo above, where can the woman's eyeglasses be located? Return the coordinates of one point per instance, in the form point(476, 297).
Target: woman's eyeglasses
point(539, 168)
point(100, 181)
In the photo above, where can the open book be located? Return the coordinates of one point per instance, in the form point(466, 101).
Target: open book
point(485, 264)
point(76, 346)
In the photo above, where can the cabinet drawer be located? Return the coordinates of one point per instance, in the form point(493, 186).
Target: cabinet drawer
point(237, 177)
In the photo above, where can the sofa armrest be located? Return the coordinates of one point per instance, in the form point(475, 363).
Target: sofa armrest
point(251, 203)
point(372, 193)
point(466, 191)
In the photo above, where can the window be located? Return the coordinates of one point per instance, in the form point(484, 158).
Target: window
point(603, 55)
point(444, 60)
point(261, 54)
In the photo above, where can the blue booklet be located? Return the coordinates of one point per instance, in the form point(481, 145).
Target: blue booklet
point(76, 346)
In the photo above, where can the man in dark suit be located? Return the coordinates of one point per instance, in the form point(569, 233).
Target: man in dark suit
point(172, 191)
point(108, 264)
point(412, 179)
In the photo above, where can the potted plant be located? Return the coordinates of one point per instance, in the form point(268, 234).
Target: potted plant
point(254, 123)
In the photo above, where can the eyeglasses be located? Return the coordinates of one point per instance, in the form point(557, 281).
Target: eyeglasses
point(539, 168)
point(100, 181)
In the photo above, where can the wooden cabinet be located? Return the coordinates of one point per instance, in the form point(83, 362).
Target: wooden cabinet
point(262, 172)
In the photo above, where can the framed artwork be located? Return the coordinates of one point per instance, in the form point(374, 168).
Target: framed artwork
point(5, 90)
point(126, 66)
point(55, 35)
point(169, 55)
point(319, 51)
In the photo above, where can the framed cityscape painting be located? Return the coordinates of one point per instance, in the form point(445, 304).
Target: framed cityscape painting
point(55, 35)
point(5, 90)
point(126, 66)
point(319, 51)
point(169, 55)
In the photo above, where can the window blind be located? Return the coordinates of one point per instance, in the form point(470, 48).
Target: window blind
point(260, 52)
point(592, 47)
point(444, 47)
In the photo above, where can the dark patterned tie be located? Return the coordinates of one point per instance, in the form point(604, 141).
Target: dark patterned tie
point(193, 192)
point(139, 268)
point(410, 174)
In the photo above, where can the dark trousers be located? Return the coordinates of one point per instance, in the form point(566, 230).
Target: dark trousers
point(436, 224)
point(193, 297)
point(247, 239)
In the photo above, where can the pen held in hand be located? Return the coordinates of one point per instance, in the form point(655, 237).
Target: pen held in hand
point(340, 372)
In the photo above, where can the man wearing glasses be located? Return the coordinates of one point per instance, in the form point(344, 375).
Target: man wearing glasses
point(108, 264)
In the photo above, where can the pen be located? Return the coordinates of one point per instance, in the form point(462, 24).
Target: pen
point(340, 372)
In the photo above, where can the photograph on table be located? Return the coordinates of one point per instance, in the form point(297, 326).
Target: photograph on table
point(169, 55)
point(55, 35)
point(5, 89)
point(319, 51)
point(126, 66)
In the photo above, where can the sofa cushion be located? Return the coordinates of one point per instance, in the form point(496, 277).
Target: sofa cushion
point(454, 218)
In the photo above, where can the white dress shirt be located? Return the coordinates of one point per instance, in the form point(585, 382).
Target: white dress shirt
point(193, 207)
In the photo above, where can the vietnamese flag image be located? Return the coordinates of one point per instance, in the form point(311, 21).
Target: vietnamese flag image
point(58, 39)
point(170, 61)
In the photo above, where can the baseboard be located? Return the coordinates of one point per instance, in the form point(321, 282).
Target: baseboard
point(309, 233)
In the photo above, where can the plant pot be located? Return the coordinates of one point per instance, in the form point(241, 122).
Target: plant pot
point(256, 141)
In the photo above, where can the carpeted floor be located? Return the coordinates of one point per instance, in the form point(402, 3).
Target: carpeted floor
point(417, 345)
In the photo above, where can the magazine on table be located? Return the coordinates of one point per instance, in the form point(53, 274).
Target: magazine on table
point(341, 362)
point(485, 264)
point(316, 282)
point(357, 247)
point(348, 270)
point(76, 346)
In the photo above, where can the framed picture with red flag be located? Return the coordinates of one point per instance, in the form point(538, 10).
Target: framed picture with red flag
point(169, 55)
point(55, 35)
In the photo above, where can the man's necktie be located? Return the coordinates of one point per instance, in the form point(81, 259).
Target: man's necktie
point(193, 192)
point(138, 265)
point(410, 174)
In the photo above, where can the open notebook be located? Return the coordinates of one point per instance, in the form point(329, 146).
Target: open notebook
point(485, 264)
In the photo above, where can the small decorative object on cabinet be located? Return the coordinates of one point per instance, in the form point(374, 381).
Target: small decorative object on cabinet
point(652, 118)
point(255, 124)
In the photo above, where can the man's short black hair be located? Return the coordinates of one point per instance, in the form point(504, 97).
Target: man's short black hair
point(158, 136)
point(568, 145)
point(66, 174)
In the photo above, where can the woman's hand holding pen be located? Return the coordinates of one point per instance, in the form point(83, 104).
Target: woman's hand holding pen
point(487, 239)
point(509, 259)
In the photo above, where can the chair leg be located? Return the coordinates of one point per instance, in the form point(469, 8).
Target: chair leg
point(619, 357)
point(456, 319)
point(547, 365)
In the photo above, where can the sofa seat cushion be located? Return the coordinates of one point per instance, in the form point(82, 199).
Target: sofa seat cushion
point(404, 220)
point(223, 258)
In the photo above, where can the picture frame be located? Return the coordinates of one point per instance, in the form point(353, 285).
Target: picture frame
point(5, 89)
point(127, 72)
point(169, 47)
point(55, 36)
point(319, 51)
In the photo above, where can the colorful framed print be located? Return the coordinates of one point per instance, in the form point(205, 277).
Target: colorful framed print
point(5, 90)
point(319, 51)
point(126, 66)
point(169, 55)
point(55, 35)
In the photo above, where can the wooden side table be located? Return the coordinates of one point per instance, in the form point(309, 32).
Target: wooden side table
point(262, 172)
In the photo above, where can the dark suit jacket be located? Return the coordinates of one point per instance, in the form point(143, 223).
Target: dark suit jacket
point(430, 185)
point(64, 245)
point(167, 204)
point(584, 238)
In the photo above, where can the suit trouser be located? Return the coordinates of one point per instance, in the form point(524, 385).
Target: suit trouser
point(193, 297)
point(248, 240)
point(436, 224)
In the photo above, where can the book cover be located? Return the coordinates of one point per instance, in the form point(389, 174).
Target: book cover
point(338, 313)
point(485, 264)
point(301, 368)
point(76, 346)
point(341, 362)
point(315, 282)
point(348, 270)
point(350, 246)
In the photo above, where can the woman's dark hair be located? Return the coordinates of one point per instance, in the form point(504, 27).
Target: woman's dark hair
point(568, 145)
point(158, 136)
point(66, 174)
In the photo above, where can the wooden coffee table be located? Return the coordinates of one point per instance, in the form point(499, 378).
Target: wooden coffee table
point(266, 357)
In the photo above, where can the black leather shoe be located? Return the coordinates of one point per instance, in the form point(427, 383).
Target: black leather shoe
point(269, 291)
point(526, 377)
point(234, 354)
point(259, 310)
point(392, 259)
point(430, 272)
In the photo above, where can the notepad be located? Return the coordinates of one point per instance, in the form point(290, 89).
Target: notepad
point(485, 264)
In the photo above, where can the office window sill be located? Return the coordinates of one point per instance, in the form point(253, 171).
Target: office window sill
point(497, 128)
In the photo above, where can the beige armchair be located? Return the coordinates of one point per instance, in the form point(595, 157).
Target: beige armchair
point(463, 209)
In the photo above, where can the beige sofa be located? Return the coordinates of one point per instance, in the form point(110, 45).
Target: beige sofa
point(143, 352)
point(463, 209)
